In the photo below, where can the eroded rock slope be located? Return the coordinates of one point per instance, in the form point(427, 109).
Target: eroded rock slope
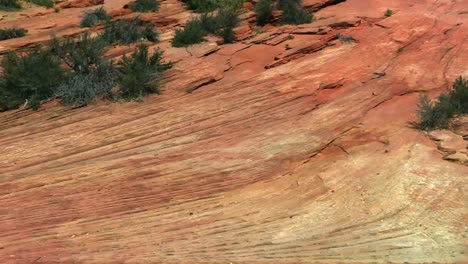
point(289, 146)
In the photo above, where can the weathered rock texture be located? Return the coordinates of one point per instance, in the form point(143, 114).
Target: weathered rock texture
point(291, 147)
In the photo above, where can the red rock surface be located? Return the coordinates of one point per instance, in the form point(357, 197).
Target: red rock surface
point(279, 154)
point(80, 3)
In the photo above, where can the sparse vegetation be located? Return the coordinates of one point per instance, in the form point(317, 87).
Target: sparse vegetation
point(28, 79)
point(258, 31)
point(140, 74)
point(38, 75)
point(209, 22)
point(126, 32)
point(202, 5)
point(94, 17)
point(292, 14)
point(264, 11)
point(344, 38)
point(91, 75)
point(9, 5)
point(144, 6)
point(388, 13)
point(10, 33)
point(193, 33)
point(76, 70)
point(226, 20)
point(82, 55)
point(46, 3)
point(437, 115)
point(221, 24)
point(287, 3)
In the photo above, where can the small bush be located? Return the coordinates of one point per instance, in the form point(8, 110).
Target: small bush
point(226, 20)
point(144, 6)
point(438, 114)
point(10, 33)
point(206, 6)
point(344, 38)
point(232, 4)
point(193, 33)
point(46, 3)
point(83, 55)
point(196, 29)
point(30, 77)
point(294, 15)
point(91, 76)
point(83, 88)
point(202, 5)
point(127, 32)
point(459, 96)
point(283, 4)
point(431, 116)
point(388, 13)
point(209, 22)
point(139, 74)
point(9, 5)
point(92, 18)
point(264, 11)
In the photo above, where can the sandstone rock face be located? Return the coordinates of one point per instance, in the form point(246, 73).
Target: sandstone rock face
point(454, 145)
point(460, 126)
point(290, 147)
point(80, 3)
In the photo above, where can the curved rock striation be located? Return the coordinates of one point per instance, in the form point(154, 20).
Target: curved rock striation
point(290, 146)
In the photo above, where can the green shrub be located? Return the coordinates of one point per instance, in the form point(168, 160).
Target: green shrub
point(83, 55)
point(283, 4)
point(92, 18)
point(431, 116)
point(206, 6)
point(196, 29)
point(126, 32)
point(232, 4)
point(193, 33)
point(221, 24)
point(10, 33)
point(46, 3)
point(388, 13)
point(459, 96)
point(30, 77)
point(294, 15)
point(202, 5)
point(438, 114)
point(226, 20)
point(92, 75)
point(139, 74)
point(264, 11)
point(209, 22)
point(9, 5)
point(83, 88)
point(144, 6)
point(344, 38)
point(38, 76)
